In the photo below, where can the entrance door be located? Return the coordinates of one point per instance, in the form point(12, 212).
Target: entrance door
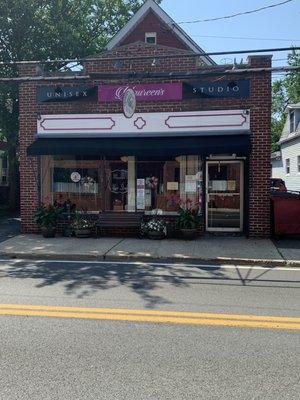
point(224, 196)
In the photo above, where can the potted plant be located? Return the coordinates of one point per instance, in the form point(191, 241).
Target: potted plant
point(187, 221)
point(46, 217)
point(82, 227)
point(156, 228)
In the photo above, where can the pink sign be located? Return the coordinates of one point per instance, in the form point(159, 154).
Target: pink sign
point(143, 92)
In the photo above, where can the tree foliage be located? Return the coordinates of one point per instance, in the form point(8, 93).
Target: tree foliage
point(51, 29)
point(284, 91)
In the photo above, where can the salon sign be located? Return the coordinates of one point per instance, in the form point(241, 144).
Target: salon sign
point(217, 89)
point(143, 92)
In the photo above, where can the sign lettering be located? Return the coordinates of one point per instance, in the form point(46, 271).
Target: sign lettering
point(143, 92)
point(217, 89)
point(50, 94)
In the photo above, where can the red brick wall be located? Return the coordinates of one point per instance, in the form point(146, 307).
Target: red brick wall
point(259, 104)
point(151, 23)
point(260, 162)
point(28, 166)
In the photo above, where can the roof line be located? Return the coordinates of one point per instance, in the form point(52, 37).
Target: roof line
point(151, 5)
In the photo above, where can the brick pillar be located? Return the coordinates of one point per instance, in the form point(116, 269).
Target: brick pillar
point(260, 163)
point(28, 165)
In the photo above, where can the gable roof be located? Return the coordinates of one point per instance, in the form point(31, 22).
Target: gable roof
point(291, 107)
point(286, 135)
point(148, 6)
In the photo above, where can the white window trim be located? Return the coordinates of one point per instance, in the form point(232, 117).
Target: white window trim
point(149, 35)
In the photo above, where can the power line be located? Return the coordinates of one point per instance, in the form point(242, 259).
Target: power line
point(138, 75)
point(117, 56)
point(237, 14)
point(246, 38)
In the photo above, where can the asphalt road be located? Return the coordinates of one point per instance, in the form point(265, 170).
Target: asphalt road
point(71, 356)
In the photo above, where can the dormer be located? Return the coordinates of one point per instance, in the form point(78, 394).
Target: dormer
point(291, 127)
point(293, 117)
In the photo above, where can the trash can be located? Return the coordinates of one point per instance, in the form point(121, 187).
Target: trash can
point(285, 212)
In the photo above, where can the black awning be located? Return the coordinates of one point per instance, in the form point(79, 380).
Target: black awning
point(147, 146)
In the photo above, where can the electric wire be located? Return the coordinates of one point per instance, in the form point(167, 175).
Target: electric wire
point(117, 56)
point(245, 38)
point(236, 14)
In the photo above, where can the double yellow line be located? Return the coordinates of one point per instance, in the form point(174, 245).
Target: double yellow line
point(166, 317)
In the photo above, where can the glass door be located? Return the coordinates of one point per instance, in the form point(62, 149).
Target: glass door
point(224, 196)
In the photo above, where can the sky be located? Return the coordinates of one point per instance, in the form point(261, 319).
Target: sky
point(274, 27)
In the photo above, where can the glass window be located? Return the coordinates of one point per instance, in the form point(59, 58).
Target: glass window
point(115, 179)
point(287, 166)
point(87, 183)
point(150, 37)
point(124, 183)
point(72, 180)
point(298, 163)
point(162, 183)
point(292, 121)
point(224, 195)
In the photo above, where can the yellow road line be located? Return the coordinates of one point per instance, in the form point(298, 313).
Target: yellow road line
point(157, 316)
point(127, 311)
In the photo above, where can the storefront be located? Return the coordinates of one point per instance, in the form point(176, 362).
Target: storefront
point(203, 140)
point(122, 170)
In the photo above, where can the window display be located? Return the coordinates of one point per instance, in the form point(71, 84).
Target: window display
point(121, 184)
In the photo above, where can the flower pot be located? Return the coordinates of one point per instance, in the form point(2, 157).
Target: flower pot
point(189, 234)
point(48, 232)
point(156, 235)
point(83, 233)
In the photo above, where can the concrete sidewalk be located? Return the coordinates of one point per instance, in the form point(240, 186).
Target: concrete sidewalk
point(221, 250)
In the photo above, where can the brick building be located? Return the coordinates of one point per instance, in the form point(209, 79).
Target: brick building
point(197, 133)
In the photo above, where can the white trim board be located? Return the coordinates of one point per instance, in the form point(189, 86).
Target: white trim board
point(155, 124)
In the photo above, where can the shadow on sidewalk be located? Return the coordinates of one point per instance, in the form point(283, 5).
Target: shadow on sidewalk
point(85, 279)
point(144, 279)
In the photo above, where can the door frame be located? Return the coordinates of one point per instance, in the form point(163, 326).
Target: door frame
point(222, 161)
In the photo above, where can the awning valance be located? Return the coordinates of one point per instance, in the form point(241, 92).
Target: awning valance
point(147, 146)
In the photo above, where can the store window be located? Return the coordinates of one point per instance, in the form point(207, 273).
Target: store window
point(121, 184)
point(86, 183)
point(163, 184)
point(74, 181)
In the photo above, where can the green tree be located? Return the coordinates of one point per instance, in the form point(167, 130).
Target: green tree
point(41, 30)
point(284, 91)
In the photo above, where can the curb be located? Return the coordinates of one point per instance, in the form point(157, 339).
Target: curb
point(135, 257)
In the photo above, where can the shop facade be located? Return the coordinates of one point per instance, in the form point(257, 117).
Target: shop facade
point(203, 138)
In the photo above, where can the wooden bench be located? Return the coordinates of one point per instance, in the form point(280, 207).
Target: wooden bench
point(110, 220)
